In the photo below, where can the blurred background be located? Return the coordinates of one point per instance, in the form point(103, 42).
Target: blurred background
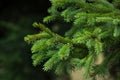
point(16, 18)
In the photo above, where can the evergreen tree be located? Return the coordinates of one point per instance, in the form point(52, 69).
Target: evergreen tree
point(94, 29)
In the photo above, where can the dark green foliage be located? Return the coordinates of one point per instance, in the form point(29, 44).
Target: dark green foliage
point(94, 30)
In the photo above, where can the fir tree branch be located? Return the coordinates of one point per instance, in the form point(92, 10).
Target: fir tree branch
point(34, 37)
point(58, 37)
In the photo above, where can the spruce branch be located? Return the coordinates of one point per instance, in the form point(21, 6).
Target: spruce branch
point(95, 29)
point(30, 38)
point(58, 37)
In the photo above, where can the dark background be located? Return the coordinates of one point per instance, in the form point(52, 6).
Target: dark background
point(16, 18)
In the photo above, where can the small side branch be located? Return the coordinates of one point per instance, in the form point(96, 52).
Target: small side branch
point(58, 37)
